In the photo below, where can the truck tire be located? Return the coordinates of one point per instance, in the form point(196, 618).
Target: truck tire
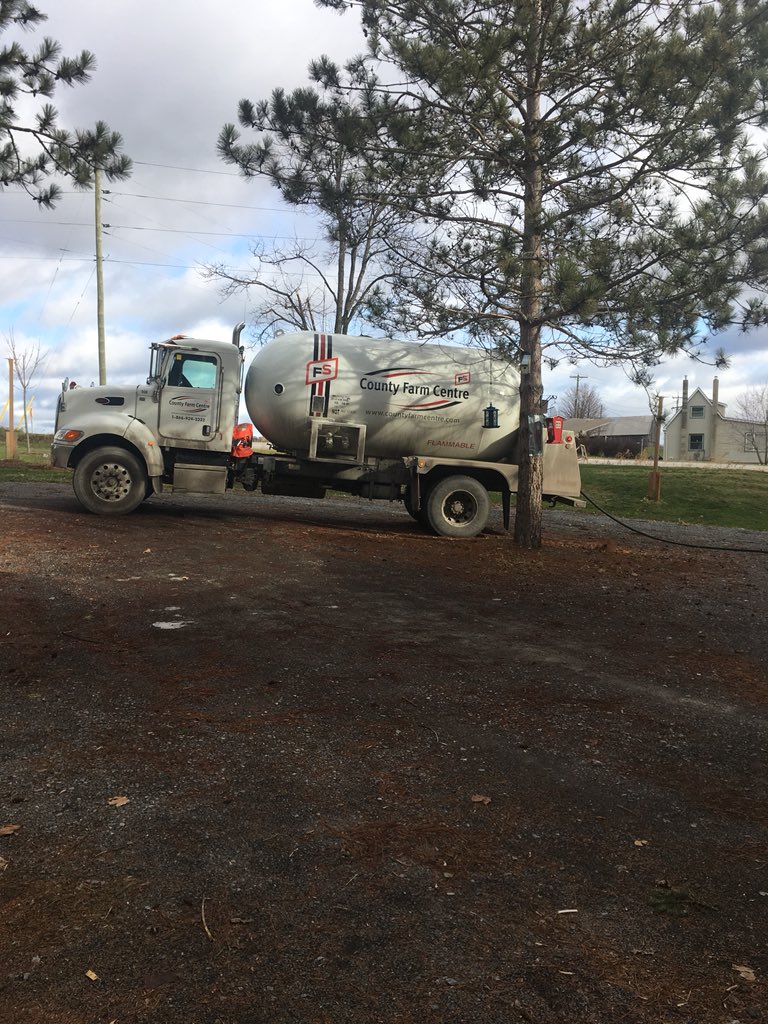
point(110, 482)
point(458, 506)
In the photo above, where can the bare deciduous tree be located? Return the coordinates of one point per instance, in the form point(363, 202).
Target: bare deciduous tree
point(27, 361)
point(581, 403)
point(752, 406)
point(297, 290)
point(316, 147)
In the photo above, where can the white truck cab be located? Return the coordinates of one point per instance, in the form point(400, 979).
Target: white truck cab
point(123, 442)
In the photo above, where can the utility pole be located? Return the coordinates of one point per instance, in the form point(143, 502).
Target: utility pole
point(100, 280)
point(578, 377)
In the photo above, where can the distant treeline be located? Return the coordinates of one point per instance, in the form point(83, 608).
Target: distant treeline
point(35, 439)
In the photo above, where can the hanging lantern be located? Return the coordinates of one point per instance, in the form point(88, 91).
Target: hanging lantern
point(490, 416)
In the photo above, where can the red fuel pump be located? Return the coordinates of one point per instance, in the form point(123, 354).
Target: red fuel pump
point(555, 430)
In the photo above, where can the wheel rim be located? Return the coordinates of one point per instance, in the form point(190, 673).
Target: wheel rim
point(111, 482)
point(459, 508)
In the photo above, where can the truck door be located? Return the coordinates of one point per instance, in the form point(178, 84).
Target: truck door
point(189, 402)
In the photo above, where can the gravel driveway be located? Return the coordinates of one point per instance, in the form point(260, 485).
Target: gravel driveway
point(286, 761)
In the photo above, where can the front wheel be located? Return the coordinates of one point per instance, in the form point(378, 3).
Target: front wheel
point(110, 482)
point(458, 506)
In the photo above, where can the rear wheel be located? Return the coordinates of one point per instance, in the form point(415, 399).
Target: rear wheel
point(110, 482)
point(458, 506)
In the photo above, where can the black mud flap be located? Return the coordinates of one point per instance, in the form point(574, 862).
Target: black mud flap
point(506, 504)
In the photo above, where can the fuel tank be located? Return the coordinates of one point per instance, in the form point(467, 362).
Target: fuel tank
point(413, 399)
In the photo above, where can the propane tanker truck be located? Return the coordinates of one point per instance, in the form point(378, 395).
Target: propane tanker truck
point(432, 425)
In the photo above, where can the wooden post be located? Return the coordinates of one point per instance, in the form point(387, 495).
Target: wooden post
point(10, 435)
point(654, 478)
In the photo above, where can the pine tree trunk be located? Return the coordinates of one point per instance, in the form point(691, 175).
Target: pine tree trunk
point(341, 255)
point(528, 515)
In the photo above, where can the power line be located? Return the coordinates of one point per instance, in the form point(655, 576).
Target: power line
point(196, 202)
point(177, 231)
point(194, 170)
point(50, 287)
point(135, 263)
point(85, 289)
point(49, 259)
point(194, 231)
point(56, 223)
point(92, 259)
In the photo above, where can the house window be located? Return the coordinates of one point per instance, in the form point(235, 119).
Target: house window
point(749, 442)
point(697, 412)
point(695, 442)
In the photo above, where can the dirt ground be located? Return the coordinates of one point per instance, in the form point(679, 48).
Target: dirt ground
point(269, 760)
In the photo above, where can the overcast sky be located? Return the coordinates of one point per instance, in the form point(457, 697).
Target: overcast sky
point(169, 75)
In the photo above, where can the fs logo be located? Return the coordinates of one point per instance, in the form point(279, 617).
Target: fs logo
point(320, 370)
point(462, 378)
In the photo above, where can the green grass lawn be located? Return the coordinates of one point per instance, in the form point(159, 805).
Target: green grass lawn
point(715, 497)
point(33, 465)
point(710, 497)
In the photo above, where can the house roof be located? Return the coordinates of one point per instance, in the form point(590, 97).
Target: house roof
point(581, 426)
point(618, 426)
point(698, 397)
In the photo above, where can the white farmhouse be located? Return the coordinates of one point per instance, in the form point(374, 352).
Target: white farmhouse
point(699, 431)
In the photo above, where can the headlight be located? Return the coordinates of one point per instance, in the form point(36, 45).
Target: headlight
point(68, 436)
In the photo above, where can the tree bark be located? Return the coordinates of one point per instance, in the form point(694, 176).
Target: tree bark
point(528, 515)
